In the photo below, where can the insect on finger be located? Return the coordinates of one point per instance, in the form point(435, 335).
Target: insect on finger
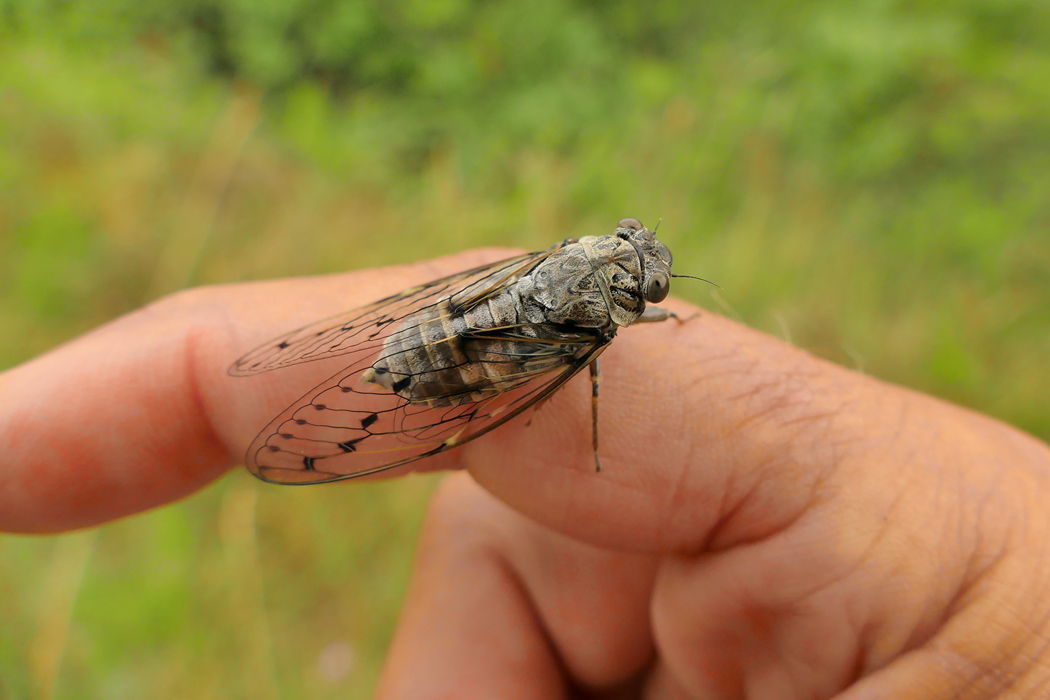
point(443, 363)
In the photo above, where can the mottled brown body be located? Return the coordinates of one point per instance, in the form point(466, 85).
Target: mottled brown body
point(442, 356)
point(467, 349)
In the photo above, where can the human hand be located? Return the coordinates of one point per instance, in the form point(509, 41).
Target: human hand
point(766, 526)
point(802, 527)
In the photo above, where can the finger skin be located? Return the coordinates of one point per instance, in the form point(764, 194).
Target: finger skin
point(501, 607)
point(758, 621)
point(481, 645)
point(710, 423)
point(107, 425)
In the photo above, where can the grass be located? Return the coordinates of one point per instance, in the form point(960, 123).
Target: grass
point(868, 180)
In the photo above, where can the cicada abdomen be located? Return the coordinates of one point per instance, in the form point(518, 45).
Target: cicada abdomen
point(448, 355)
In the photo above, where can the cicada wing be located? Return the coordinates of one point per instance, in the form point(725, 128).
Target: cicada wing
point(347, 427)
point(364, 330)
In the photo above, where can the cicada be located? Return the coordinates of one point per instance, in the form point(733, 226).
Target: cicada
point(443, 363)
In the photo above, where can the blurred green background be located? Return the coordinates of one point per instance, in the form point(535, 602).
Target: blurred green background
point(868, 180)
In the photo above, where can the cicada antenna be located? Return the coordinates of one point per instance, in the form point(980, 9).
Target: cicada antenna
point(697, 278)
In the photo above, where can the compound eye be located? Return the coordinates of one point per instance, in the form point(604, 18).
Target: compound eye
point(656, 287)
point(633, 224)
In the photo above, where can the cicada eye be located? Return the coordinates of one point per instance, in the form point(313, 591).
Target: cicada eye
point(656, 287)
point(633, 224)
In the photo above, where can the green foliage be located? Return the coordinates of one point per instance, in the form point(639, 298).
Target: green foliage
point(867, 179)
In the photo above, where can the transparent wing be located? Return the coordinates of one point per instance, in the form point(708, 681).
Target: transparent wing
point(347, 428)
point(364, 329)
point(350, 425)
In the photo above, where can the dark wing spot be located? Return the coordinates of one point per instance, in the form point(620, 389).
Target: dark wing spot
point(401, 384)
point(286, 436)
point(300, 421)
point(308, 462)
point(369, 420)
point(273, 448)
point(283, 344)
point(320, 406)
point(350, 445)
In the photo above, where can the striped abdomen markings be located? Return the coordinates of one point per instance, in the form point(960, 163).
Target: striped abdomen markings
point(443, 357)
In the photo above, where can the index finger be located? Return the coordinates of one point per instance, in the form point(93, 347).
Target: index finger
point(692, 415)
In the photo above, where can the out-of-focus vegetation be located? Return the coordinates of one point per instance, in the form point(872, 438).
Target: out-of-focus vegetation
point(868, 179)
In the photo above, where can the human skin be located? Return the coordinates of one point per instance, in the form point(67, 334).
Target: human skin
point(766, 524)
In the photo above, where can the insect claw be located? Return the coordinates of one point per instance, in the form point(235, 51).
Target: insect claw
point(687, 319)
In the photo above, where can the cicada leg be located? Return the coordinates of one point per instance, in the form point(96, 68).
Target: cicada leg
point(596, 377)
point(656, 314)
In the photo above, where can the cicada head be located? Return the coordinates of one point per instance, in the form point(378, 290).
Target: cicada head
point(655, 258)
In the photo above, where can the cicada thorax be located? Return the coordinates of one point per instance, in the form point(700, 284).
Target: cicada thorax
point(619, 276)
point(590, 283)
